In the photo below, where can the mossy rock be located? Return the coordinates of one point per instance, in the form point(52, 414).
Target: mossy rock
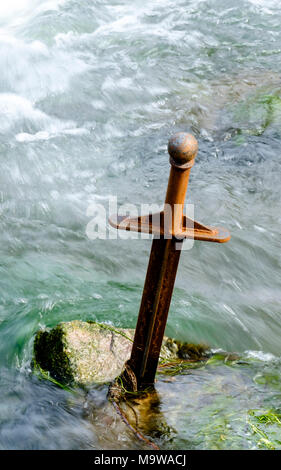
point(84, 353)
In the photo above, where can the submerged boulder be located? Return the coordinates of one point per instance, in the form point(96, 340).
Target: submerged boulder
point(87, 352)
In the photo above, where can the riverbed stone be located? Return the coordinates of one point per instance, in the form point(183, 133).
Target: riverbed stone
point(88, 352)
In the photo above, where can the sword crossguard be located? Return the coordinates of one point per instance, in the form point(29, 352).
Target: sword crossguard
point(171, 222)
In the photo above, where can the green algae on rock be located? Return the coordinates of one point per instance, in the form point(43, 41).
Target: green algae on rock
point(88, 352)
point(82, 352)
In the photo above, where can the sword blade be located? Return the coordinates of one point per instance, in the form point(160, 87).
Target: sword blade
point(154, 308)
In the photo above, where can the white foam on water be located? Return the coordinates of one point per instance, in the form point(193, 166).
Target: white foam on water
point(44, 135)
point(231, 311)
point(25, 137)
point(267, 6)
point(17, 12)
point(14, 108)
point(77, 131)
point(249, 354)
point(34, 70)
point(16, 113)
point(261, 356)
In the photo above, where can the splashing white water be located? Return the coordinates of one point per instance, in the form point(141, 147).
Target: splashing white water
point(16, 11)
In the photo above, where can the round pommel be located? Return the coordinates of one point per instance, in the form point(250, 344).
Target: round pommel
point(182, 148)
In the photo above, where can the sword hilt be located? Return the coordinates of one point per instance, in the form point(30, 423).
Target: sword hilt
point(171, 222)
point(182, 148)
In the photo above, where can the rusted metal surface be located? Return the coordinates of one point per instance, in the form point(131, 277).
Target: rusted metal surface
point(170, 227)
point(153, 224)
point(153, 313)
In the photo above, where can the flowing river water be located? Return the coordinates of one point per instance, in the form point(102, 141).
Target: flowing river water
point(90, 92)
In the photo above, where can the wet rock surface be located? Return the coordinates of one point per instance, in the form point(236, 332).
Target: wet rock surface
point(87, 352)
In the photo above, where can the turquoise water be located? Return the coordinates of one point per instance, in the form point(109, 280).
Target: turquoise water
point(90, 92)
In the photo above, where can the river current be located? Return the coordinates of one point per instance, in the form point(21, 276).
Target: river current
point(90, 92)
